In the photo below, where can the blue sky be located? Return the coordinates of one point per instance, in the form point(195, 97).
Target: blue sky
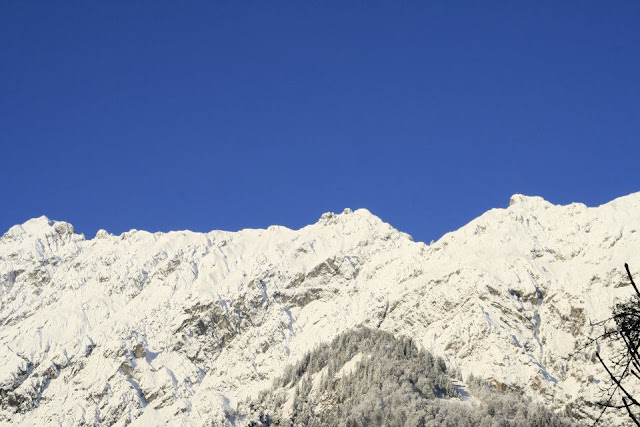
point(241, 114)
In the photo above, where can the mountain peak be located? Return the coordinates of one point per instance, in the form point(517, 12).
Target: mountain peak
point(359, 220)
point(521, 200)
point(41, 221)
point(40, 226)
point(348, 215)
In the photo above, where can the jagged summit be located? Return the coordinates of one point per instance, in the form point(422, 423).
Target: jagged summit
point(530, 202)
point(534, 202)
point(361, 220)
point(101, 234)
point(41, 221)
point(157, 328)
point(40, 227)
point(33, 226)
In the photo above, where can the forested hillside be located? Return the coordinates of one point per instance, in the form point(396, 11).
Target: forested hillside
point(367, 377)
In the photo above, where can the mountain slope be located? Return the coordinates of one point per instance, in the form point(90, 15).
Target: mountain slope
point(149, 327)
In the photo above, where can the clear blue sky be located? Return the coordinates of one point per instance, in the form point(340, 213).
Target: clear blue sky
point(240, 114)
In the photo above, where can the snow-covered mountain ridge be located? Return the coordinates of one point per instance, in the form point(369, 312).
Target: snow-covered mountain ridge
point(156, 328)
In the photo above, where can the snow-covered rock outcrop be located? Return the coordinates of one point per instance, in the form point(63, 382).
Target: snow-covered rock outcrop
point(152, 327)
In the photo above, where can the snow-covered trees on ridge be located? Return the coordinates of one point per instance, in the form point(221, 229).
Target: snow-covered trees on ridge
point(368, 377)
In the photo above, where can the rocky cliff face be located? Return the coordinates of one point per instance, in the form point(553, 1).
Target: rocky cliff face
point(147, 328)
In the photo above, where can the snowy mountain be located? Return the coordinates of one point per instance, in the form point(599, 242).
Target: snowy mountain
point(156, 328)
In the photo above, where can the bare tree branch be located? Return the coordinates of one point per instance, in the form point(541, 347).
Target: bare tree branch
point(626, 267)
point(635, 420)
point(623, 367)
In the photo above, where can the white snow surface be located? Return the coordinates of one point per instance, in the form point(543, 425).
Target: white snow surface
point(175, 328)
